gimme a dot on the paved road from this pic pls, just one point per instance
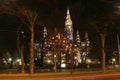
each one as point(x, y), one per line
point(70, 78)
point(63, 76)
point(102, 76)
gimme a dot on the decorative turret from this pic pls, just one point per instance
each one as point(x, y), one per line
point(78, 37)
point(86, 36)
point(68, 26)
point(45, 32)
point(87, 40)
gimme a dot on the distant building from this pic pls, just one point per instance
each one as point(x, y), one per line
point(60, 49)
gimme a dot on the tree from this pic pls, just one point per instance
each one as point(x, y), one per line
point(101, 27)
point(20, 45)
point(103, 36)
point(31, 18)
point(27, 16)
point(105, 21)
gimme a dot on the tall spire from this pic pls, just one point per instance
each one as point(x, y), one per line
point(86, 36)
point(55, 30)
point(87, 39)
point(45, 32)
point(68, 26)
point(68, 18)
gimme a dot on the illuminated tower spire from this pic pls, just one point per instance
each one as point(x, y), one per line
point(87, 42)
point(78, 38)
point(68, 18)
point(45, 32)
point(86, 36)
point(68, 26)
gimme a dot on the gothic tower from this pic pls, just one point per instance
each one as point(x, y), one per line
point(69, 26)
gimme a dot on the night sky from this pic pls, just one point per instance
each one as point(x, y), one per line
point(52, 13)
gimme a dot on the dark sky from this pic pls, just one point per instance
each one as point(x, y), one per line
point(52, 13)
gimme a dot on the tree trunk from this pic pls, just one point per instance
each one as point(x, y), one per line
point(22, 61)
point(20, 50)
point(55, 63)
point(103, 51)
point(32, 50)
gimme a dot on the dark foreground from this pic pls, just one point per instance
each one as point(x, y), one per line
point(85, 75)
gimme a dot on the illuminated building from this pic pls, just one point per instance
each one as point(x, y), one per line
point(61, 50)
point(69, 26)
point(37, 51)
point(78, 49)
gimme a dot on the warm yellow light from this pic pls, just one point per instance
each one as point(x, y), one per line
point(75, 57)
point(113, 59)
